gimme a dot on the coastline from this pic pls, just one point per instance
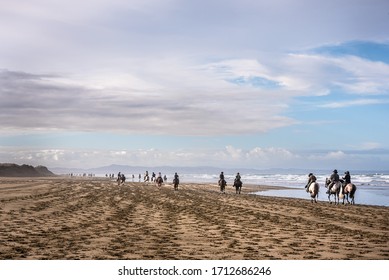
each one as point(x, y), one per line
point(91, 218)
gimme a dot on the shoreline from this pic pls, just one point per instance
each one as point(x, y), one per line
point(249, 188)
point(57, 218)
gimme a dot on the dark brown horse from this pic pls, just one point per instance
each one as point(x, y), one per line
point(159, 181)
point(222, 184)
point(176, 181)
point(238, 186)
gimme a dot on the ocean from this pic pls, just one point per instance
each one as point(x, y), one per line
point(372, 189)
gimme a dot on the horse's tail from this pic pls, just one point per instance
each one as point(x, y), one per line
point(353, 190)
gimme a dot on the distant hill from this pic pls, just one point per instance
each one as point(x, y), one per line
point(14, 170)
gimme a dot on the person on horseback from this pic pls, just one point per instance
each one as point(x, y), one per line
point(221, 178)
point(311, 179)
point(346, 178)
point(176, 181)
point(237, 177)
point(334, 179)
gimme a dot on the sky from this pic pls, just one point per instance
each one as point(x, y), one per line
point(245, 84)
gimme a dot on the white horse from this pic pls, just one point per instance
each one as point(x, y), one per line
point(146, 178)
point(313, 190)
point(334, 190)
point(348, 190)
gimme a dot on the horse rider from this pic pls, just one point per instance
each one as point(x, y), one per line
point(311, 179)
point(175, 176)
point(346, 178)
point(221, 178)
point(153, 177)
point(334, 179)
point(237, 177)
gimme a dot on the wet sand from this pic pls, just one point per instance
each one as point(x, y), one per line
point(90, 219)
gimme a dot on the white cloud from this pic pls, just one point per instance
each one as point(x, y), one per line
point(350, 103)
point(230, 156)
point(335, 155)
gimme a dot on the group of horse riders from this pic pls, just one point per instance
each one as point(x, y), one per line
point(221, 178)
point(334, 178)
point(159, 180)
point(237, 183)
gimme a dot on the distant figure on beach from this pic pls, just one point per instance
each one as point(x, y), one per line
point(165, 178)
point(146, 178)
point(121, 179)
point(153, 177)
point(221, 177)
point(334, 179)
point(346, 178)
point(311, 179)
point(348, 189)
point(334, 187)
point(140, 176)
point(238, 183)
point(176, 181)
point(237, 177)
point(222, 183)
point(133, 176)
point(159, 180)
point(312, 187)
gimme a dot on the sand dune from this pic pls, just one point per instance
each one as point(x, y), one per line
point(63, 218)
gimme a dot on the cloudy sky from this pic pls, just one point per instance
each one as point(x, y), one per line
point(248, 83)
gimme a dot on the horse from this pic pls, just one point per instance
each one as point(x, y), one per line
point(238, 186)
point(348, 191)
point(335, 190)
point(222, 184)
point(121, 179)
point(146, 178)
point(159, 181)
point(313, 190)
point(176, 181)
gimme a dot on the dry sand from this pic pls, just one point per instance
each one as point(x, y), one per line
point(63, 218)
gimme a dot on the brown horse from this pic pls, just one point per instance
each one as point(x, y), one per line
point(176, 181)
point(238, 186)
point(313, 190)
point(159, 181)
point(348, 191)
point(222, 184)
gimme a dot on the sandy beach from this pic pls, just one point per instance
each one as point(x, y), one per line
point(90, 219)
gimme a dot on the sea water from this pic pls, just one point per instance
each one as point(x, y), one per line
point(372, 188)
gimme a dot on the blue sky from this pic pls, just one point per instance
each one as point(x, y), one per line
point(258, 84)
